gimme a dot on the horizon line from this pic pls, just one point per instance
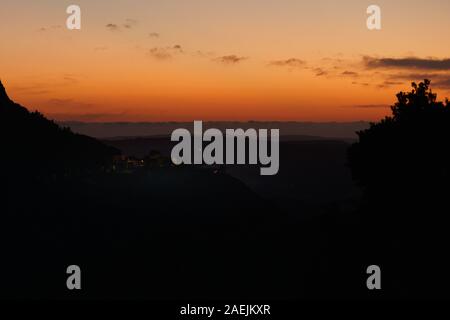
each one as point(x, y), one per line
point(212, 121)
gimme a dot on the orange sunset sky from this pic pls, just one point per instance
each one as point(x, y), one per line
point(180, 60)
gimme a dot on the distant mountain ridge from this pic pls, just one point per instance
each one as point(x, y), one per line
point(32, 144)
point(334, 130)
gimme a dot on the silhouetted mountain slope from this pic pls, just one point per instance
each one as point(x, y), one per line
point(32, 144)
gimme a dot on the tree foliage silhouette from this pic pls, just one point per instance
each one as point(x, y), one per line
point(403, 163)
point(406, 154)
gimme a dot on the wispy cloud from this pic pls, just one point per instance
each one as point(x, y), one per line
point(68, 103)
point(41, 88)
point(387, 84)
point(407, 63)
point(160, 53)
point(367, 106)
point(442, 82)
point(36, 89)
point(364, 84)
point(128, 24)
point(350, 73)
point(154, 35)
point(413, 76)
point(50, 28)
point(292, 63)
point(320, 72)
point(371, 106)
point(85, 117)
point(59, 102)
point(438, 79)
point(177, 48)
point(71, 78)
point(112, 27)
point(230, 59)
point(165, 53)
point(386, 72)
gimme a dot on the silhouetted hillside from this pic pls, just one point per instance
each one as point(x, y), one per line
point(32, 144)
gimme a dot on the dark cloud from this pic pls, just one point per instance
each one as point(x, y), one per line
point(364, 84)
point(388, 83)
point(407, 63)
point(350, 73)
point(292, 62)
point(438, 80)
point(319, 72)
point(442, 82)
point(230, 59)
point(112, 27)
point(413, 76)
point(154, 35)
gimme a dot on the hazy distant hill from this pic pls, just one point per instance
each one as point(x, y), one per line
point(31, 143)
point(336, 130)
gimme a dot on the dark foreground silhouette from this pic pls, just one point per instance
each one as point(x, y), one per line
point(38, 147)
point(403, 165)
point(164, 232)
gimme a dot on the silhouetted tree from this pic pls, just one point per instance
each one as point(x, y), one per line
point(406, 154)
point(403, 163)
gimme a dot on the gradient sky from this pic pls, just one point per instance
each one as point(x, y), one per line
point(180, 60)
